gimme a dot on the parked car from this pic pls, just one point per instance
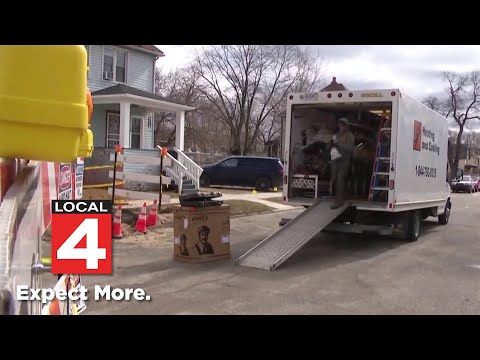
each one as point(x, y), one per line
point(464, 184)
point(263, 173)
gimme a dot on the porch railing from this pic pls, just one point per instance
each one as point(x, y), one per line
point(176, 170)
point(193, 171)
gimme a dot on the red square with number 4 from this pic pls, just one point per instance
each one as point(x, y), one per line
point(81, 237)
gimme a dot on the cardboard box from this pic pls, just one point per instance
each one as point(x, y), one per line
point(201, 234)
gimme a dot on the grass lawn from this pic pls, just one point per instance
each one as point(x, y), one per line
point(237, 207)
point(244, 207)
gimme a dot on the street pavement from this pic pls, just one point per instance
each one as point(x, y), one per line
point(333, 274)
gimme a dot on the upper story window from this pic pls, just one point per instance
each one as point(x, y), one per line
point(114, 64)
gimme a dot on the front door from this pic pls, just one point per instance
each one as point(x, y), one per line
point(113, 129)
point(136, 123)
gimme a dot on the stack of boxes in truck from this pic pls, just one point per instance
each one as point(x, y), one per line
point(311, 158)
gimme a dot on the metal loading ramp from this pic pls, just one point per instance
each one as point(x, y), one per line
point(281, 245)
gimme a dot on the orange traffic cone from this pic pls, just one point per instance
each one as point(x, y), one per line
point(152, 215)
point(141, 225)
point(117, 224)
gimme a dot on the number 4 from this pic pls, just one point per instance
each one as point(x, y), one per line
point(91, 253)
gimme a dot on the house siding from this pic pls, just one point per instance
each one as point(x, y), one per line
point(140, 75)
point(139, 70)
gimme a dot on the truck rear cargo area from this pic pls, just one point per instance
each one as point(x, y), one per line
point(312, 129)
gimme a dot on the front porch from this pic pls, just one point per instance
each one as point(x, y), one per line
point(125, 115)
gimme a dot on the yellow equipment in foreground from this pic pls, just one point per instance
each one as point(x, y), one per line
point(45, 106)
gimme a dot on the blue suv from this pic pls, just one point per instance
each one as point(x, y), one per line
point(263, 173)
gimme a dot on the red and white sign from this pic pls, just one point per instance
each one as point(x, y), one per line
point(79, 168)
point(65, 188)
point(59, 183)
point(81, 237)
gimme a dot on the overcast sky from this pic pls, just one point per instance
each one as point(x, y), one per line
point(415, 69)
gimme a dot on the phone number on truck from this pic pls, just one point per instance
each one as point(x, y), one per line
point(426, 171)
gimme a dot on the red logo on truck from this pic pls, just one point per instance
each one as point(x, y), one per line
point(65, 177)
point(417, 136)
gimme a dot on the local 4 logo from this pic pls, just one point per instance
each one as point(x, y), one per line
point(81, 237)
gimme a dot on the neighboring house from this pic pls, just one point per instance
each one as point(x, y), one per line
point(469, 159)
point(334, 86)
point(122, 81)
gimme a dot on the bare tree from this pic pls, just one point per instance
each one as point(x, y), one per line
point(246, 83)
point(178, 86)
point(461, 104)
point(439, 105)
point(203, 130)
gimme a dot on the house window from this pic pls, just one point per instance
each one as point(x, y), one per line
point(135, 132)
point(114, 65)
point(113, 129)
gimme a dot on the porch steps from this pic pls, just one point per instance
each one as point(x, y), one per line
point(188, 187)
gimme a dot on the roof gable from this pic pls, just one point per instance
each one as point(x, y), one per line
point(334, 86)
point(122, 89)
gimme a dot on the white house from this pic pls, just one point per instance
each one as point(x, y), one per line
point(121, 79)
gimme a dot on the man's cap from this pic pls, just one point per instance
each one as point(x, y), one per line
point(344, 120)
point(204, 228)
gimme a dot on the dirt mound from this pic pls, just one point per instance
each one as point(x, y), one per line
point(159, 235)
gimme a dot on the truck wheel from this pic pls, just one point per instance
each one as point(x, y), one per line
point(443, 219)
point(413, 226)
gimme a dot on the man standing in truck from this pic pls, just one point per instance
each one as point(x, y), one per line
point(344, 142)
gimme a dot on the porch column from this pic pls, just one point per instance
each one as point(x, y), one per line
point(125, 124)
point(180, 129)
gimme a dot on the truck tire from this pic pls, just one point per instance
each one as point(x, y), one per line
point(443, 219)
point(413, 225)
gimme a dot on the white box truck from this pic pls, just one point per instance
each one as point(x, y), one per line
point(396, 179)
